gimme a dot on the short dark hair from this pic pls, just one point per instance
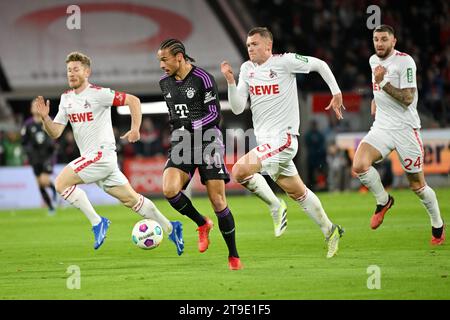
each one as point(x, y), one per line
point(175, 46)
point(384, 28)
point(262, 31)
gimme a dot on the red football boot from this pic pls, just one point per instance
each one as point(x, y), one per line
point(203, 235)
point(234, 263)
point(378, 216)
point(438, 241)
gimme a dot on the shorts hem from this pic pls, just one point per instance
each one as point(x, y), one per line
point(377, 148)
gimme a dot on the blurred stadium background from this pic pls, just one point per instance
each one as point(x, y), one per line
point(122, 38)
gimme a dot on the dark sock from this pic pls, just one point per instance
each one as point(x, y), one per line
point(46, 197)
point(52, 186)
point(437, 232)
point(227, 228)
point(183, 205)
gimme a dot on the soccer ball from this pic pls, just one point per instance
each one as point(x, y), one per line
point(147, 234)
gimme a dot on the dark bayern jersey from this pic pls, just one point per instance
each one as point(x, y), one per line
point(36, 143)
point(193, 102)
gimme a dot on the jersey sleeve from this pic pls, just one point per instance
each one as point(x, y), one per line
point(242, 86)
point(408, 73)
point(109, 97)
point(211, 94)
point(296, 63)
point(238, 95)
point(210, 100)
point(61, 116)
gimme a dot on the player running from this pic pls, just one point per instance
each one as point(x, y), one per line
point(87, 108)
point(270, 81)
point(40, 152)
point(396, 127)
point(191, 96)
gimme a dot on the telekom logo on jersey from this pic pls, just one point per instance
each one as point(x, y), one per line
point(265, 89)
point(81, 117)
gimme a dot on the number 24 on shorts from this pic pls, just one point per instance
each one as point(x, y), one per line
point(409, 162)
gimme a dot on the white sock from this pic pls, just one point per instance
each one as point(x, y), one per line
point(371, 179)
point(148, 210)
point(258, 185)
point(78, 198)
point(312, 206)
point(428, 198)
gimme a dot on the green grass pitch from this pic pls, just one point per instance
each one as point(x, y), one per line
point(36, 252)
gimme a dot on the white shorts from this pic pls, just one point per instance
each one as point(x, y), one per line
point(407, 143)
point(99, 167)
point(276, 155)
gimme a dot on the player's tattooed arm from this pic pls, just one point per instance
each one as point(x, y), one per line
point(404, 96)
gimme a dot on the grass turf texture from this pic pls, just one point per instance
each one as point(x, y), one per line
point(37, 250)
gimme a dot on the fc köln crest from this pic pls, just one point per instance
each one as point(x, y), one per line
point(87, 104)
point(272, 74)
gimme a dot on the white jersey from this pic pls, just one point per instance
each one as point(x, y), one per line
point(89, 114)
point(272, 87)
point(401, 73)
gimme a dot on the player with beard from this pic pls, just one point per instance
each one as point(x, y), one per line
point(88, 109)
point(396, 127)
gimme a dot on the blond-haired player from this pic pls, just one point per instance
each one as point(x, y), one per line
point(270, 81)
point(88, 109)
point(396, 127)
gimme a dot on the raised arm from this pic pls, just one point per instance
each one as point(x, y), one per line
point(405, 96)
point(53, 129)
point(236, 100)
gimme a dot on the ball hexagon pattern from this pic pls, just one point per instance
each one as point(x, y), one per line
point(147, 234)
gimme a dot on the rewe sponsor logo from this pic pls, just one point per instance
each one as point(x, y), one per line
point(81, 117)
point(265, 89)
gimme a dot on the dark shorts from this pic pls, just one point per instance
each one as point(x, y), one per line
point(208, 170)
point(45, 166)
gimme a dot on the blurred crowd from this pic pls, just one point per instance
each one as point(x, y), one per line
point(334, 31)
